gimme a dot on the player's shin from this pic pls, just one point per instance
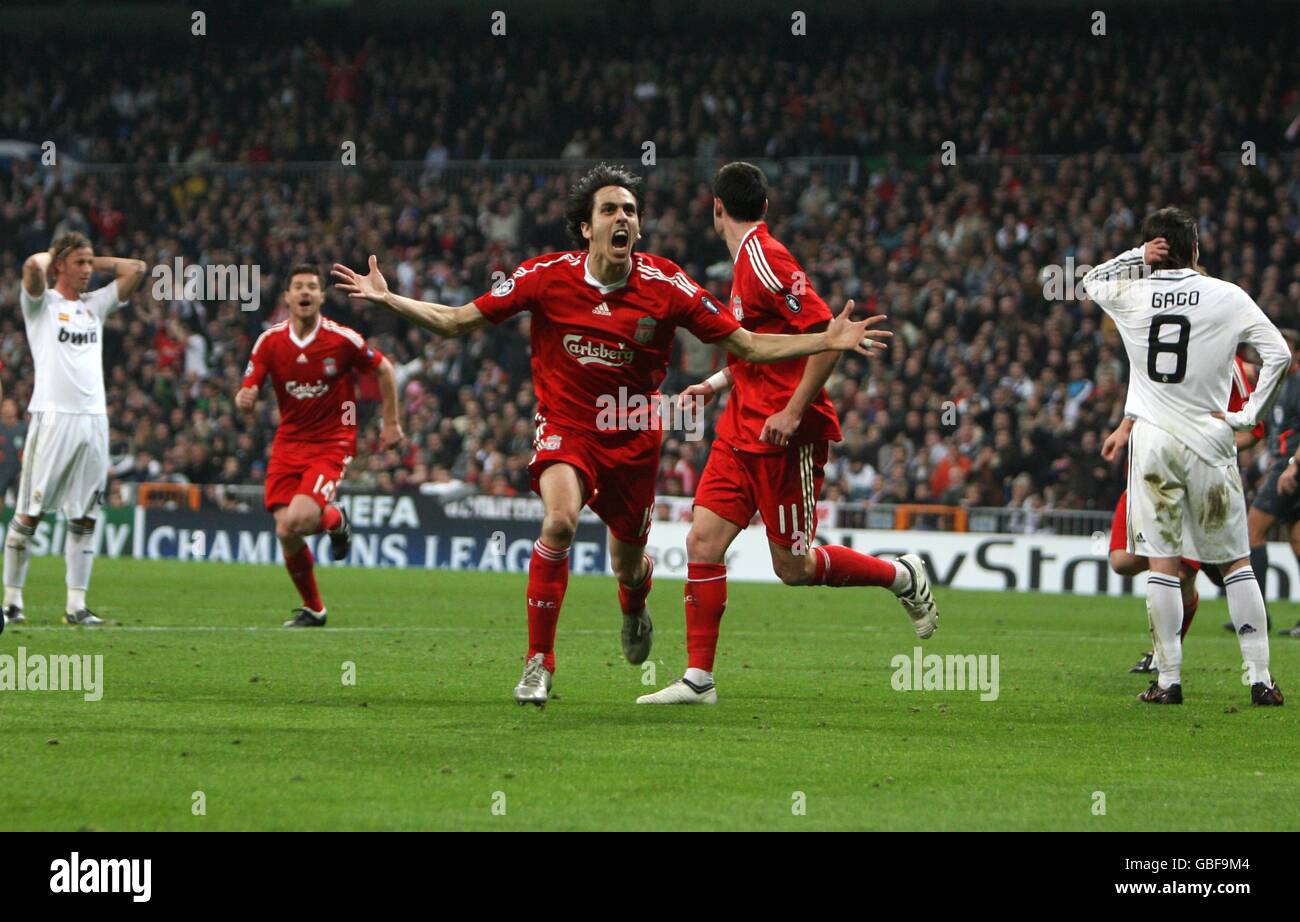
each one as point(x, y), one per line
point(302, 570)
point(1259, 566)
point(17, 556)
point(79, 556)
point(1246, 608)
point(632, 598)
point(1165, 609)
point(548, 578)
point(706, 600)
point(841, 566)
point(330, 518)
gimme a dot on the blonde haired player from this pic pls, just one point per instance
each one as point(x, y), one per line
point(65, 457)
point(1181, 330)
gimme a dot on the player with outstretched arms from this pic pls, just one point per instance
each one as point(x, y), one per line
point(65, 456)
point(603, 321)
point(310, 360)
point(1181, 330)
point(771, 447)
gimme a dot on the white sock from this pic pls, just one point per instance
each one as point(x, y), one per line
point(79, 555)
point(1165, 611)
point(699, 677)
point(902, 579)
point(17, 557)
point(1246, 608)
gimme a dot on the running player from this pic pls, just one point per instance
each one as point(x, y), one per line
point(603, 321)
point(771, 447)
point(310, 359)
point(65, 456)
point(1125, 563)
point(1181, 330)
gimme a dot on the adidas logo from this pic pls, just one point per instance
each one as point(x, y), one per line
point(1245, 629)
point(1138, 537)
point(602, 310)
point(302, 358)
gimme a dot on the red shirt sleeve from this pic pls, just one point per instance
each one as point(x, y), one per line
point(367, 358)
point(793, 296)
point(258, 363)
point(703, 316)
point(514, 294)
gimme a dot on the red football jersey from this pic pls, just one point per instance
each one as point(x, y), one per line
point(312, 379)
point(764, 300)
point(591, 340)
point(1241, 391)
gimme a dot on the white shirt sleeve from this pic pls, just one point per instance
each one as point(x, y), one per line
point(1107, 283)
point(32, 305)
point(1273, 352)
point(104, 301)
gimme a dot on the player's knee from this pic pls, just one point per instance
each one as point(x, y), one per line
point(19, 533)
point(291, 525)
point(628, 572)
point(792, 572)
point(702, 549)
point(559, 527)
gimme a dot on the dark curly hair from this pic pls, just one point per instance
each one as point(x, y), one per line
point(582, 197)
point(1179, 230)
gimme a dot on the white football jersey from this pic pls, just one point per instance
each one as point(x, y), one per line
point(67, 343)
point(1181, 330)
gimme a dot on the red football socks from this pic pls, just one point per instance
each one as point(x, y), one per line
point(841, 566)
point(706, 600)
point(330, 518)
point(632, 598)
point(548, 577)
point(303, 574)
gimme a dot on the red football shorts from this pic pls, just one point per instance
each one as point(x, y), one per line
point(1119, 530)
point(314, 470)
point(618, 471)
point(782, 486)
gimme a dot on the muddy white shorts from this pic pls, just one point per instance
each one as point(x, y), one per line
point(1180, 505)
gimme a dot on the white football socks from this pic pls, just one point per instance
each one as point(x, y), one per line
point(698, 677)
point(1165, 611)
point(17, 556)
point(902, 579)
point(1246, 608)
point(79, 555)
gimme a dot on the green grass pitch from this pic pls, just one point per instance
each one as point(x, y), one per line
point(203, 691)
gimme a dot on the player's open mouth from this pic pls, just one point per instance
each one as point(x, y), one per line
point(620, 240)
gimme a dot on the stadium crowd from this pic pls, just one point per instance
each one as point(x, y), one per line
point(992, 393)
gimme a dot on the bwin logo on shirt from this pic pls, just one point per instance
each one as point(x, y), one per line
point(78, 339)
